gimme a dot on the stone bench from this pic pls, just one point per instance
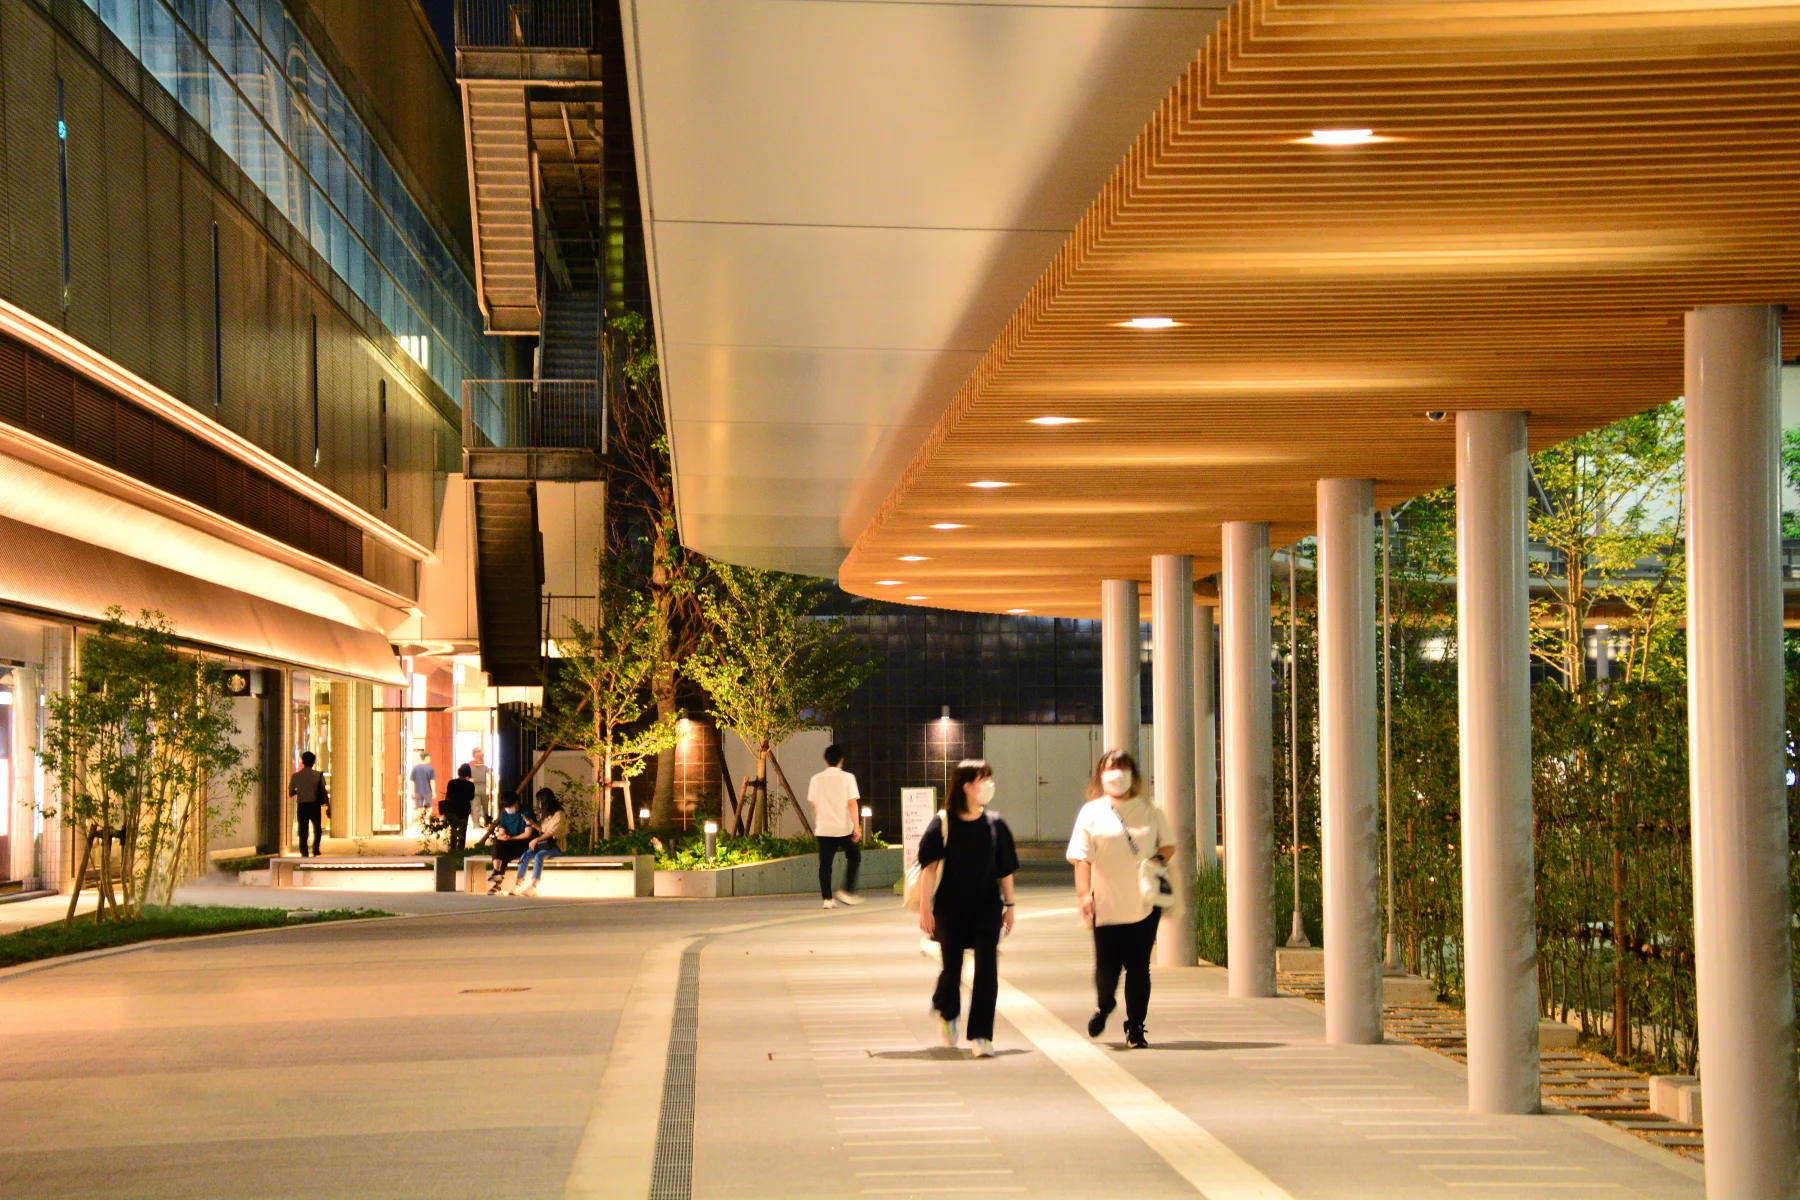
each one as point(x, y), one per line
point(365, 873)
point(575, 876)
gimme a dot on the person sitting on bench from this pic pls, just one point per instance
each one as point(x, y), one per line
point(513, 832)
point(547, 844)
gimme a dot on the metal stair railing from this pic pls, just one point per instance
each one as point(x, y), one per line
point(525, 24)
point(534, 414)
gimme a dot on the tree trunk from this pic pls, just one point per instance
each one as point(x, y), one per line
point(87, 849)
point(1621, 944)
point(662, 680)
point(603, 797)
point(759, 819)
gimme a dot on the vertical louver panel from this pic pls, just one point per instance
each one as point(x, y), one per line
point(30, 192)
point(12, 383)
point(49, 400)
point(169, 459)
point(128, 233)
point(233, 481)
point(137, 442)
point(196, 280)
point(93, 424)
point(90, 273)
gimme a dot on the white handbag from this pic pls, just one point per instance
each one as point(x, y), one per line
point(1153, 875)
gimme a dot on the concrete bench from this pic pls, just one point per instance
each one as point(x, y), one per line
point(365, 873)
point(576, 876)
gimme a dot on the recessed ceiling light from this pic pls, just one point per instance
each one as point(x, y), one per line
point(887, 583)
point(1341, 137)
point(1018, 611)
point(918, 597)
point(1055, 421)
point(912, 558)
point(948, 525)
point(1149, 323)
point(989, 484)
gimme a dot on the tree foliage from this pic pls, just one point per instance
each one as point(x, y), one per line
point(598, 699)
point(141, 746)
point(771, 667)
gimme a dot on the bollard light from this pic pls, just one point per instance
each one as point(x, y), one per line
point(712, 841)
point(643, 814)
point(867, 812)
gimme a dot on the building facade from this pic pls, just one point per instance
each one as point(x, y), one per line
point(236, 314)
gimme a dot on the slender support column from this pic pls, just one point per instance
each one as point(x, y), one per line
point(1206, 749)
point(1494, 678)
point(1347, 774)
point(1172, 681)
point(1246, 698)
point(1120, 646)
point(1735, 738)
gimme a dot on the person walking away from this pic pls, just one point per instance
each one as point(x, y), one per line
point(311, 801)
point(967, 855)
point(513, 832)
point(424, 785)
point(837, 823)
point(551, 822)
point(1117, 831)
point(458, 802)
point(483, 779)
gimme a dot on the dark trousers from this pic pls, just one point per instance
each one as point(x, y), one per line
point(828, 848)
point(311, 815)
point(1127, 947)
point(947, 999)
point(505, 854)
point(459, 827)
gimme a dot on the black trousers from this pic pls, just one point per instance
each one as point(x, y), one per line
point(507, 852)
point(955, 940)
point(1127, 947)
point(828, 848)
point(459, 827)
point(313, 815)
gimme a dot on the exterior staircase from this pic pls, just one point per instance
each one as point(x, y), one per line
point(499, 149)
point(509, 576)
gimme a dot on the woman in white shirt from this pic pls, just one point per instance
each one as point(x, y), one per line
point(1115, 832)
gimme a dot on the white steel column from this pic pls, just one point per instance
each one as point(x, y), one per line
point(1347, 774)
point(1172, 683)
point(1493, 684)
point(1735, 739)
point(1121, 644)
point(1206, 750)
point(1246, 696)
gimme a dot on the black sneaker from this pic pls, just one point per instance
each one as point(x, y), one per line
point(1134, 1037)
point(1097, 1024)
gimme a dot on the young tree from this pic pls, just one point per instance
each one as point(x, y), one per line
point(771, 667)
point(1609, 502)
point(142, 745)
point(596, 702)
point(640, 451)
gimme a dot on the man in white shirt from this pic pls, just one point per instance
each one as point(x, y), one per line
point(837, 823)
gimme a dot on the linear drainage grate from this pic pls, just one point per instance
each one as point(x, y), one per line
point(672, 1173)
point(485, 991)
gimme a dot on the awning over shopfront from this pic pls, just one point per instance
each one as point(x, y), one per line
point(52, 574)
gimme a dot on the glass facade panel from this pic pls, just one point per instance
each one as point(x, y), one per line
point(242, 69)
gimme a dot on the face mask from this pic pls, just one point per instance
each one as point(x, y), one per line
point(984, 792)
point(1115, 781)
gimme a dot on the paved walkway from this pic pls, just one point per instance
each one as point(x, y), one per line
point(522, 1048)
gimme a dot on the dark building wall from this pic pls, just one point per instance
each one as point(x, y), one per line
point(146, 188)
point(989, 670)
point(407, 92)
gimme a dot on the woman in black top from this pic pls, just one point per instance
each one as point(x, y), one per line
point(966, 866)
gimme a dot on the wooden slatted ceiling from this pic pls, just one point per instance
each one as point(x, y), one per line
point(1560, 182)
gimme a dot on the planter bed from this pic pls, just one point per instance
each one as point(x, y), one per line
point(778, 877)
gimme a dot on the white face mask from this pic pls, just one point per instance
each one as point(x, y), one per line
point(1116, 781)
point(983, 791)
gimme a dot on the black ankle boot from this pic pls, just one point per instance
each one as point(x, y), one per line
point(1134, 1037)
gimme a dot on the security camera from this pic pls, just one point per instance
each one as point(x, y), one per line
point(1434, 416)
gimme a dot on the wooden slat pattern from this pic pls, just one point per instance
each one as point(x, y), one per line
point(1561, 180)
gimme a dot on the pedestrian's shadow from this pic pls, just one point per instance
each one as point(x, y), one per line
point(935, 1054)
point(1120, 1046)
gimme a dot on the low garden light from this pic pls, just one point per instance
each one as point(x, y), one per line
point(712, 841)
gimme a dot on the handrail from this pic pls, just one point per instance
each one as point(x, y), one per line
point(526, 414)
point(525, 24)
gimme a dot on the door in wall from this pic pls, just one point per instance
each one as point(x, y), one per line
point(1011, 750)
